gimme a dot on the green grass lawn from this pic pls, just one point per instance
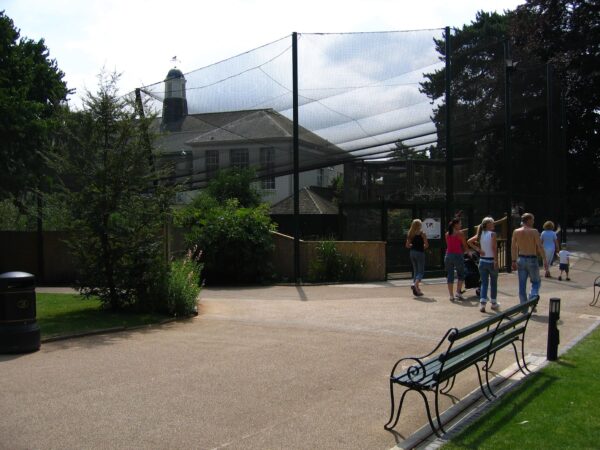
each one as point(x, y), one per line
point(556, 408)
point(61, 314)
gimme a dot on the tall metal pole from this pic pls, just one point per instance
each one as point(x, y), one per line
point(296, 159)
point(41, 275)
point(449, 151)
point(140, 107)
point(551, 161)
point(564, 171)
point(508, 65)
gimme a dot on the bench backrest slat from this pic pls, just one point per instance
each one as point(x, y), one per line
point(486, 323)
point(513, 320)
point(468, 345)
point(505, 338)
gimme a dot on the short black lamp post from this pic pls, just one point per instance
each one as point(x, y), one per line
point(553, 333)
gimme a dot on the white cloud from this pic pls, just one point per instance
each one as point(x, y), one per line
point(139, 37)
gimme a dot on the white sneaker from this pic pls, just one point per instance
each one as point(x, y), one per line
point(482, 307)
point(459, 296)
point(495, 306)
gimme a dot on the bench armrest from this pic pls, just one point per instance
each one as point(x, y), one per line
point(419, 359)
point(416, 372)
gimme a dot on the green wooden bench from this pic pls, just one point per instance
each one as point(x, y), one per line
point(475, 345)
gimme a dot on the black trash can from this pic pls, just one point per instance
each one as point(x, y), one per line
point(19, 331)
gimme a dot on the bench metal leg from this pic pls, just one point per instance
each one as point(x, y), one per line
point(390, 425)
point(489, 364)
point(437, 413)
point(387, 425)
point(596, 296)
point(481, 383)
point(450, 382)
point(486, 369)
point(521, 359)
point(523, 354)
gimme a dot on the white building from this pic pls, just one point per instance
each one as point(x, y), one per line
point(198, 145)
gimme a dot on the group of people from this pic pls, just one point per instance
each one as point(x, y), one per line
point(526, 246)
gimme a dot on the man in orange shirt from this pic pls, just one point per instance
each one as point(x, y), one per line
point(526, 246)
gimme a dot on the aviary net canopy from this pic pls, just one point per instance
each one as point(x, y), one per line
point(359, 94)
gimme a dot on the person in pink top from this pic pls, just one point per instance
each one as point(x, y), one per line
point(456, 246)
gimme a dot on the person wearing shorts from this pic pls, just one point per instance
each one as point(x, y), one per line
point(563, 265)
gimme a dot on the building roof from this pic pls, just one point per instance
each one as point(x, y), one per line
point(313, 200)
point(232, 127)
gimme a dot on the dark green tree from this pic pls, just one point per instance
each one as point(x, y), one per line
point(403, 152)
point(477, 74)
point(31, 92)
point(232, 240)
point(234, 183)
point(234, 244)
point(566, 34)
point(118, 207)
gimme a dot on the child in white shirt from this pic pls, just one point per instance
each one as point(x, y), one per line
point(563, 256)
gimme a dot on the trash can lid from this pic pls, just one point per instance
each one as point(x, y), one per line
point(9, 280)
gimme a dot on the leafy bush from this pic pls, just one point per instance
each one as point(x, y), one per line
point(234, 183)
point(232, 229)
point(236, 242)
point(22, 214)
point(331, 265)
point(353, 268)
point(183, 287)
point(326, 266)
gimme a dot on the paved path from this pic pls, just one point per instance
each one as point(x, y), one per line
point(259, 368)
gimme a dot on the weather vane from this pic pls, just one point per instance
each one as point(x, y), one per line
point(175, 60)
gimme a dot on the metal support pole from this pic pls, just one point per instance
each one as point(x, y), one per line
point(551, 168)
point(508, 67)
point(564, 171)
point(553, 333)
point(296, 159)
point(140, 109)
point(449, 152)
point(41, 276)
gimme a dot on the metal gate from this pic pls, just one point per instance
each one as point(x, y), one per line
point(390, 222)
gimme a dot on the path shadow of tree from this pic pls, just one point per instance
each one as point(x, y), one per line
point(95, 328)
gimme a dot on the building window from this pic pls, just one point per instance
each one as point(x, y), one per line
point(212, 163)
point(267, 166)
point(239, 158)
point(320, 177)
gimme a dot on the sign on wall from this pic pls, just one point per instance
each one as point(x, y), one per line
point(432, 226)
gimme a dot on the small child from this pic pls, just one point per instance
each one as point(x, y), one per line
point(563, 266)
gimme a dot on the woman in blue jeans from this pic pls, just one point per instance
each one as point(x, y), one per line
point(456, 246)
point(416, 241)
point(484, 242)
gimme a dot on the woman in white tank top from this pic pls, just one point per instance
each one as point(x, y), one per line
point(485, 243)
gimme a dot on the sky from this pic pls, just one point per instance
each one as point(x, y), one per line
point(139, 38)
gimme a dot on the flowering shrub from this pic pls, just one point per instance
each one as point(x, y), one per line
point(183, 286)
point(331, 265)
